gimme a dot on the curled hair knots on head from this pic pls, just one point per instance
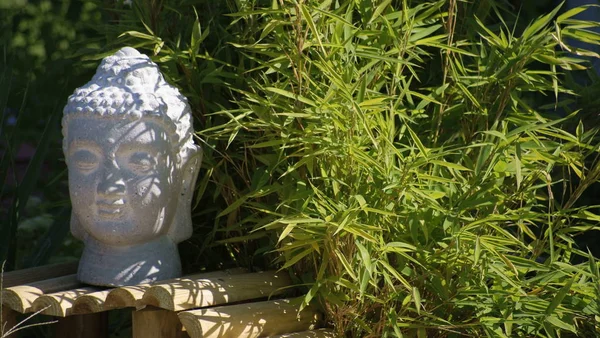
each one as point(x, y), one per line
point(128, 85)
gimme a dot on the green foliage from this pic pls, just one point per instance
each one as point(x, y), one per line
point(408, 159)
point(418, 164)
point(38, 41)
point(193, 46)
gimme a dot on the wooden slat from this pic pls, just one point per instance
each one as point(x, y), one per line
point(20, 298)
point(123, 297)
point(79, 326)
point(26, 276)
point(189, 293)
point(320, 333)
point(131, 296)
point(260, 319)
point(60, 303)
point(153, 322)
point(91, 302)
point(8, 320)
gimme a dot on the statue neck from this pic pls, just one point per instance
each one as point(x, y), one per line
point(110, 265)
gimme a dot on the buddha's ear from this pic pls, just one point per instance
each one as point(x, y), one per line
point(181, 229)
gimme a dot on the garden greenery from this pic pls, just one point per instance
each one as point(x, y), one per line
point(418, 164)
point(38, 70)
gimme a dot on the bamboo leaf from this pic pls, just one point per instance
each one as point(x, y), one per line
point(311, 24)
point(291, 96)
point(537, 25)
point(417, 299)
point(559, 297)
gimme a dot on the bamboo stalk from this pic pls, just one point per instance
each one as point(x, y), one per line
point(250, 320)
point(188, 293)
point(21, 298)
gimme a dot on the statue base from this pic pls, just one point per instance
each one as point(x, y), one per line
point(107, 265)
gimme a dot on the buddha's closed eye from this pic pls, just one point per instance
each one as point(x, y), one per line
point(85, 161)
point(141, 163)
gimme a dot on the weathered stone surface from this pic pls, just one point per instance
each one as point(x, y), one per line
point(132, 168)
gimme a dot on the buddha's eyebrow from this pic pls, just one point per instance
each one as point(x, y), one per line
point(85, 144)
point(135, 146)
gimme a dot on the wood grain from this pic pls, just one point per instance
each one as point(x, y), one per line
point(8, 320)
point(59, 304)
point(90, 302)
point(26, 276)
point(152, 322)
point(20, 298)
point(123, 297)
point(80, 326)
point(260, 319)
point(320, 333)
point(131, 296)
point(192, 292)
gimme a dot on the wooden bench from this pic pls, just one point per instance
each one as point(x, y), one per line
point(230, 303)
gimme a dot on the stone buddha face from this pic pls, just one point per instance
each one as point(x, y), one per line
point(132, 168)
point(123, 185)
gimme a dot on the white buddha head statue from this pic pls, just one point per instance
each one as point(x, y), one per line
point(132, 167)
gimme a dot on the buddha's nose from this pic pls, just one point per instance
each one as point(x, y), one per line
point(111, 183)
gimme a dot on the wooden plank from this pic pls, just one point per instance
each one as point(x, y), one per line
point(123, 297)
point(260, 319)
point(153, 322)
point(20, 298)
point(25, 276)
point(88, 326)
point(131, 296)
point(320, 333)
point(59, 304)
point(8, 320)
point(91, 302)
point(189, 293)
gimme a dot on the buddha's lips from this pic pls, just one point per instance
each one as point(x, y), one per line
point(110, 208)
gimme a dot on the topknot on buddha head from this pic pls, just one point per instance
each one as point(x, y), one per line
point(128, 85)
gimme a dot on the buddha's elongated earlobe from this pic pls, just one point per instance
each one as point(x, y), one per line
point(181, 229)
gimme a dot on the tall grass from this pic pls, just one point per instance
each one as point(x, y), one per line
point(418, 164)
